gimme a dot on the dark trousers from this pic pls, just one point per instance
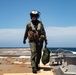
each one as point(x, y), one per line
point(36, 49)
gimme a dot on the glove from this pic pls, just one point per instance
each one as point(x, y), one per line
point(24, 41)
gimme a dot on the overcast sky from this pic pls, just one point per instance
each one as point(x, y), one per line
point(58, 17)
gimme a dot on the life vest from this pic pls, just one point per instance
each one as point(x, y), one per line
point(35, 34)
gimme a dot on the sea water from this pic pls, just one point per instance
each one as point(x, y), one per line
point(50, 48)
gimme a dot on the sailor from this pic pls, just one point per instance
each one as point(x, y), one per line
point(36, 35)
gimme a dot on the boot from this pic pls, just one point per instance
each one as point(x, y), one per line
point(34, 70)
point(37, 67)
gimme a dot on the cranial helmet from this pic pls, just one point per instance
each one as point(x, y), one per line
point(34, 13)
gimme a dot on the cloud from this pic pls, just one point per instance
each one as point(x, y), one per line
point(61, 31)
point(11, 37)
point(61, 36)
point(57, 37)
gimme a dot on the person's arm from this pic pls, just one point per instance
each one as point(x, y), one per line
point(25, 35)
point(44, 32)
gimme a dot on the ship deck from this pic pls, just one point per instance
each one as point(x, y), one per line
point(17, 62)
point(11, 66)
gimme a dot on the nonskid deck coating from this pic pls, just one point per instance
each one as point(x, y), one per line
point(17, 62)
point(21, 67)
point(45, 70)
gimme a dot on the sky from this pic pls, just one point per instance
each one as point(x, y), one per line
point(58, 17)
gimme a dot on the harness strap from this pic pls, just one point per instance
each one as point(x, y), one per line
point(38, 26)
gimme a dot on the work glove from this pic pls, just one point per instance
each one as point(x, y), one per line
point(24, 41)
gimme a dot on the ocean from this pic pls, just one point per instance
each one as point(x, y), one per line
point(63, 48)
point(50, 48)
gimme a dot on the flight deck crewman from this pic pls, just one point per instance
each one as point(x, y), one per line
point(36, 34)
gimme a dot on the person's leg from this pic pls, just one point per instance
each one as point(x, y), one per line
point(33, 56)
point(39, 52)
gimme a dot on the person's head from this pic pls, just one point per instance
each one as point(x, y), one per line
point(34, 14)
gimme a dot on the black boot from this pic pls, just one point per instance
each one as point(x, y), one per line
point(37, 67)
point(34, 70)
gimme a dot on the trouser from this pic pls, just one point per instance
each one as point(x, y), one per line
point(36, 49)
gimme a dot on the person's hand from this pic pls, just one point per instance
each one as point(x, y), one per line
point(24, 41)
